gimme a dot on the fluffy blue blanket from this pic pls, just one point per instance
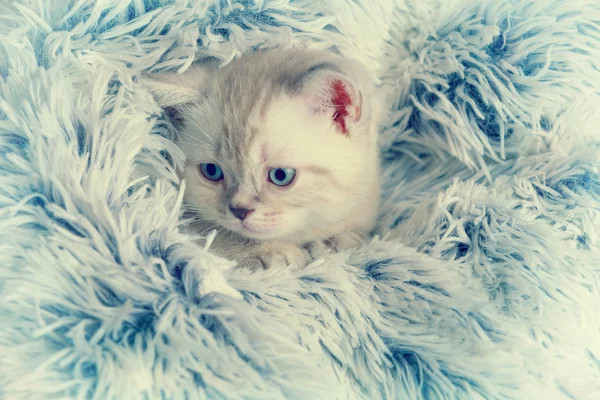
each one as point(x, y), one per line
point(484, 281)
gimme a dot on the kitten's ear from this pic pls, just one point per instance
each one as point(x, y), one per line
point(173, 91)
point(327, 91)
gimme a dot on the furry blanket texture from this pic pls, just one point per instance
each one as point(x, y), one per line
point(483, 281)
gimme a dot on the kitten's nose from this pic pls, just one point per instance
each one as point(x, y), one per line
point(240, 213)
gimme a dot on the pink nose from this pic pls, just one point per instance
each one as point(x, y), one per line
point(240, 213)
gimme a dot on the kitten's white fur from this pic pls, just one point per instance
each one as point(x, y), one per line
point(274, 109)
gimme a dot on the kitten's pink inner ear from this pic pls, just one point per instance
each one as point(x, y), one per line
point(347, 105)
point(340, 101)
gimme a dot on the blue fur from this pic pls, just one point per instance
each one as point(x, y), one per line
point(482, 283)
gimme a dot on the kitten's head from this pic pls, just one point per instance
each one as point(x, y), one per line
point(278, 146)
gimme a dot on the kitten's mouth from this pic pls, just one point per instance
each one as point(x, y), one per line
point(252, 231)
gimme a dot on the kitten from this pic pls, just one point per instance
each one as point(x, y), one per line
point(281, 151)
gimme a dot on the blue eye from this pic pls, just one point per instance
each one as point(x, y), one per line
point(282, 176)
point(211, 171)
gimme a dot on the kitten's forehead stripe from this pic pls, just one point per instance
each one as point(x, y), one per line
point(253, 131)
point(263, 154)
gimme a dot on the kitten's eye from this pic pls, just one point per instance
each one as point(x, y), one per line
point(282, 176)
point(211, 171)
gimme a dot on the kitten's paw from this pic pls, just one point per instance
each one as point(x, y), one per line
point(334, 244)
point(271, 255)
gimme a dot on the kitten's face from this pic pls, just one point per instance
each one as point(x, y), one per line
point(286, 176)
point(278, 145)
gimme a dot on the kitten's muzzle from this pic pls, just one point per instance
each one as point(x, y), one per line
point(240, 213)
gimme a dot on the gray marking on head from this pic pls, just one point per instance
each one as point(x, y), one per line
point(294, 83)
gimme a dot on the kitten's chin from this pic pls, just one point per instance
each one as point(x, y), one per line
point(254, 232)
